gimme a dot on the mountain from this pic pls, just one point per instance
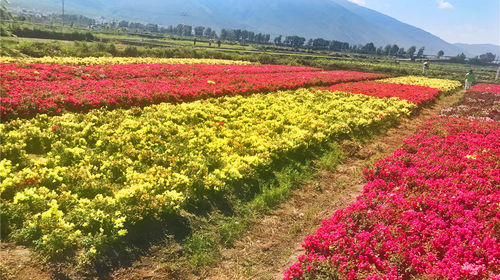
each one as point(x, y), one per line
point(330, 19)
point(479, 49)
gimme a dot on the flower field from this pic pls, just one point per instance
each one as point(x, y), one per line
point(491, 88)
point(445, 86)
point(28, 90)
point(476, 105)
point(412, 93)
point(77, 179)
point(82, 181)
point(118, 60)
point(429, 211)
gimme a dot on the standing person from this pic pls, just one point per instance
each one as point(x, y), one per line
point(210, 43)
point(194, 42)
point(425, 70)
point(469, 79)
point(218, 43)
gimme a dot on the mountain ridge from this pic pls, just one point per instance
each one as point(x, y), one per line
point(329, 19)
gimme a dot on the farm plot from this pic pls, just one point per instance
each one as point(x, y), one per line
point(428, 211)
point(28, 90)
point(80, 183)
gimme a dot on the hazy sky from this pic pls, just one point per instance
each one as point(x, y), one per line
point(455, 21)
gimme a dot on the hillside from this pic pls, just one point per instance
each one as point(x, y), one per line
point(330, 19)
point(478, 49)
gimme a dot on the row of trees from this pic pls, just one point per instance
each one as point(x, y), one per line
point(180, 29)
point(391, 50)
point(481, 59)
point(240, 35)
point(244, 36)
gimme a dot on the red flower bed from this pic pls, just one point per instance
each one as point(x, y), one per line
point(26, 91)
point(53, 72)
point(491, 88)
point(412, 93)
point(429, 211)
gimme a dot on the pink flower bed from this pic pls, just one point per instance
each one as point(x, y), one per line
point(412, 93)
point(429, 211)
point(491, 88)
point(27, 91)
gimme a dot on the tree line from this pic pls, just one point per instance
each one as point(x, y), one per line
point(235, 35)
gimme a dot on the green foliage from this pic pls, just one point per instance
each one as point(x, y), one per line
point(331, 158)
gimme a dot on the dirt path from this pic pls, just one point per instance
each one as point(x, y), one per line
point(273, 243)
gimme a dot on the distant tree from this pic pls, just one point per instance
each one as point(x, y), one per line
point(208, 32)
point(123, 23)
point(223, 34)
point(5, 14)
point(237, 35)
point(380, 50)
point(440, 53)
point(394, 49)
point(369, 48)
point(309, 43)
point(267, 37)
point(187, 30)
point(179, 29)
point(487, 57)
point(320, 43)
point(277, 40)
point(338, 45)
point(411, 51)
point(421, 52)
point(387, 49)
point(251, 36)
point(152, 27)
point(244, 35)
point(199, 31)
point(459, 58)
point(294, 41)
point(401, 52)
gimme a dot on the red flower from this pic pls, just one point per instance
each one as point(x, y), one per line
point(80, 88)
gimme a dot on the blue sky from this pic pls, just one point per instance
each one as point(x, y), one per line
point(455, 21)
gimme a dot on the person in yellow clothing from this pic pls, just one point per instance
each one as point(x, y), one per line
point(469, 79)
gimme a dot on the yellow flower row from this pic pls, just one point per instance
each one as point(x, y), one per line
point(80, 181)
point(119, 60)
point(445, 86)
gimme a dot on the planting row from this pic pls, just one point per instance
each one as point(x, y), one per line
point(118, 60)
point(445, 86)
point(82, 182)
point(14, 73)
point(416, 94)
point(26, 98)
point(418, 91)
point(430, 211)
point(491, 88)
point(476, 105)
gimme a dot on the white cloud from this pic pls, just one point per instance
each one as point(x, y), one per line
point(444, 5)
point(359, 2)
